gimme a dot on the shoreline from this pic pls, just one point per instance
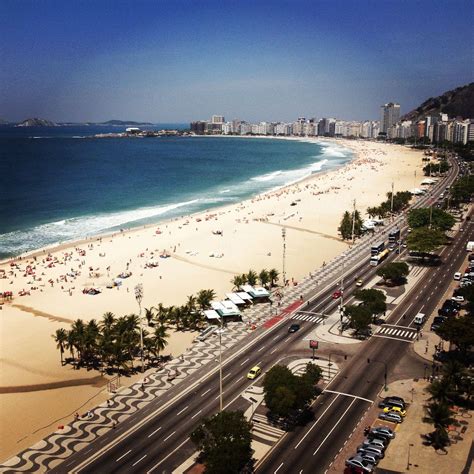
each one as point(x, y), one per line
point(56, 247)
point(200, 259)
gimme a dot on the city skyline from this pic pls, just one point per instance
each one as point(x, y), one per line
point(180, 61)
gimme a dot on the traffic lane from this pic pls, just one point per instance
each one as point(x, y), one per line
point(234, 383)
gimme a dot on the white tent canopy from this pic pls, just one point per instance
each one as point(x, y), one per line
point(211, 314)
point(225, 308)
point(235, 298)
point(256, 292)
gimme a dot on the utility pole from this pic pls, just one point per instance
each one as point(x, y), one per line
point(139, 297)
point(220, 363)
point(283, 234)
point(391, 202)
point(353, 222)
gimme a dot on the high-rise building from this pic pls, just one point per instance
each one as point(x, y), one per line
point(390, 115)
point(217, 119)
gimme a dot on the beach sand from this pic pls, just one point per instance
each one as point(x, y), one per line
point(37, 394)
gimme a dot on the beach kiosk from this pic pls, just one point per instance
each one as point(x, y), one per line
point(236, 299)
point(227, 310)
point(258, 293)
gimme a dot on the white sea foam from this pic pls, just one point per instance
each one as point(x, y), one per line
point(267, 177)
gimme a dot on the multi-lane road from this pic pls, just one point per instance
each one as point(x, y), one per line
point(156, 438)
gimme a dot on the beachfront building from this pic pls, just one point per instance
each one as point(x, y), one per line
point(199, 127)
point(283, 129)
point(389, 116)
point(245, 128)
point(327, 127)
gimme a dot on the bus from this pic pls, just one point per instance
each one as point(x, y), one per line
point(394, 236)
point(377, 248)
point(376, 259)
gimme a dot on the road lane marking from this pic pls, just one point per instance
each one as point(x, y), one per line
point(184, 409)
point(228, 375)
point(316, 422)
point(123, 455)
point(349, 395)
point(278, 468)
point(273, 350)
point(141, 459)
point(392, 338)
point(207, 391)
point(170, 454)
point(156, 431)
point(334, 427)
point(244, 362)
point(194, 416)
point(261, 349)
point(169, 436)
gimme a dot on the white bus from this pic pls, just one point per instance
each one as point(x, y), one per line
point(376, 259)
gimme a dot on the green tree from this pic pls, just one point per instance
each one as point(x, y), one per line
point(60, 337)
point(252, 278)
point(204, 299)
point(159, 340)
point(440, 219)
point(440, 416)
point(359, 317)
point(435, 168)
point(345, 228)
point(425, 240)
point(373, 300)
point(273, 275)
point(224, 441)
point(459, 331)
point(395, 272)
point(238, 281)
point(264, 277)
point(440, 391)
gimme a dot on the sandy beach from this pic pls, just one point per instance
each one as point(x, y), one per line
point(37, 394)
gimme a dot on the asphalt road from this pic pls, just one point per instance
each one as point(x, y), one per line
point(155, 439)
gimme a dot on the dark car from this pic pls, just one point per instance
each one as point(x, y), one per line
point(437, 322)
point(294, 328)
point(392, 401)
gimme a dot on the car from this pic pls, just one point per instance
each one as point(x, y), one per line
point(437, 322)
point(392, 247)
point(458, 299)
point(457, 275)
point(371, 449)
point(294, 328)
point(392, 401)
point(398, 410)
point(369, 457)
point(379, 442)
point(254, 372)
point(359, 282)
point(393, 417)
point(383, 431)
point(357, 461)
point(337, 294)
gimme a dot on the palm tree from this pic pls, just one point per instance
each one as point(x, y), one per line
point(91, 336)
point(159, 340)
point(273, 275)
point(162, 315)
point(150, 314)
point(440, 416)
point(238, 281)
point(60, 337)
point(191, 304)
point(252, 278)
point(78, 330)
point(264, 277)
point(440, 391)
point(453, 373)
point(204, 298)
point(108, 320)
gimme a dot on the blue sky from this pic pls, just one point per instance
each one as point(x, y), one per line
point(176, 61)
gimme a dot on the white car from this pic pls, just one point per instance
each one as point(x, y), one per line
point(457, 275)
point(459, 299)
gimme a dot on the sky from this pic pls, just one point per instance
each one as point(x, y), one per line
point(177, 61)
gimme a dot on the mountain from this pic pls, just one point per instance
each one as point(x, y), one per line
point(458, 102)
point(36, 122)
point(4, 122)
point(123, 123)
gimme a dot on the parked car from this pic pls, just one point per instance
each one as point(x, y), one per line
point(458, 299)
point(457, 276)
point(398, 410)
point(369, 457)
point(294, 328)
point(392, 401)
point(393, 417)
point(376, 450)
point(359, 283)
point(437, 322)
point(380, 443)
point(254, 372)
point(384, 431)
point(357, 461)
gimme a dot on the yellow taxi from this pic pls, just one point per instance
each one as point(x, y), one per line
point(397, 410)
point(254, 372)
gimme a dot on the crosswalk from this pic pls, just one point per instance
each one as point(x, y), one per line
point(264, 431)
point(307, 316)
point(396, 332)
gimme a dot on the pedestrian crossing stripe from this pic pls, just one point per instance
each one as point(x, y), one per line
point(396, 332)
point(306, 317)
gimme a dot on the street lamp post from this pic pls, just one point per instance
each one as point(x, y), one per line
point(385, 372)
point(221, 330)
point(408, 458)
point(139, 297)
point(341, 301)
point(283, 234)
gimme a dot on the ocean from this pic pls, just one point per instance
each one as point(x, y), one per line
point(58, 184)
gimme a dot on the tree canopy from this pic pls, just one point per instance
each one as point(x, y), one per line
point(434, 168)
point(395, 272)
point(373, 300)
point(400, 201)
point(439, 219)
point(359, 317)
point(459, 331)
point(224, 441)
point(285, 391)
point(350, 221)
point(425, 240)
